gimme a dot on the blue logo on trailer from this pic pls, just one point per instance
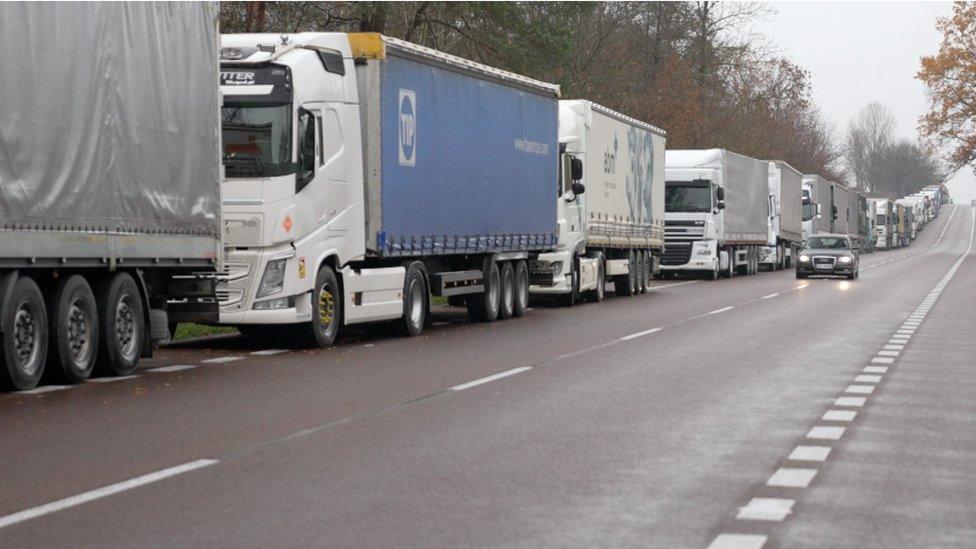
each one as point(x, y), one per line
point(408, 128)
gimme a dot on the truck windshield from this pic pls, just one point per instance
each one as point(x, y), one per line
point(257, 139)
point(808, 209)
point(827, 243)
point(687, 197)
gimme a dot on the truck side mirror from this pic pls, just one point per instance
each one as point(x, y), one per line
point(576, 170)
point(720, 205)
point(834, 211)
point(578, 188)
point(720, 194)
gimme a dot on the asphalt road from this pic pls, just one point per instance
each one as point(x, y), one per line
point(704, 413)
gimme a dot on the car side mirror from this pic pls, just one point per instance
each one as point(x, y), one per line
point(720, 194)
point(576, 170)
point(578, 188)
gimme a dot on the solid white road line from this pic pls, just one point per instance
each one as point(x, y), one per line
point(856, 402)
point(738, 541)
point(823, 432)
point(775, 509)
point(175, 368)
point(860, 389)
point(810, 453)
point(269, 352)
point(489, 379)
point(770, 296)
point(46, 389)
point(98, 493)
point(839, 415)
point(722, 310)
point(640, 334)
point(222, 359)
point(788, 477)
point(946, 228)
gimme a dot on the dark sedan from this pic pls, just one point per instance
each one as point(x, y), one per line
point(828, 255)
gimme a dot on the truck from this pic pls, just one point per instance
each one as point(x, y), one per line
point(914, 206)
point(815, 199)
point(716, 212)
point(857, 218)
point(365, 174)
point(785, 225)
point(615, 231)
point(110, 178)
point(884, 216)
point(900, 227)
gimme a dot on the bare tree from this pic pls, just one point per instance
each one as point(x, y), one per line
point(869, 135)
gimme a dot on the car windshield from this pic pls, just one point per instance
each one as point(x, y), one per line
point(257, 140)
point(687, 197)
point(827, 243)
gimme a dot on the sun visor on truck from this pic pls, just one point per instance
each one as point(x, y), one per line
point(265, 84)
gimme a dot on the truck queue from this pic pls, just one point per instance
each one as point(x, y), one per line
point(364, 177)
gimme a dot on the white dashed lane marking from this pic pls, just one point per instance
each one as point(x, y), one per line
point(770, 296)
point(174, 368)
point(810, 453)
point(738, 541)
point(110, 379)
point(775, 509)
point(722, 310)
point(489, 379)
point(882, 360)
point(867, 379)
point(269, 352)
point(823, 432)
point(875, 370)
point(839, 415)
point(787, 477)
point(222, 359)
point(859, 389)
point(855, 402)
point(640, 334)
point(46, 389)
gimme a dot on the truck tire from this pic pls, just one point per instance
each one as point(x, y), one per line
point(73, 316)
point(483, 307)
point(730, 268)
point(326, 308)
point(23, 344)
point(122, 327)
point(521, 288)
point(597, 294)
point(645, 271)
point(506, 305)
point(411, 324)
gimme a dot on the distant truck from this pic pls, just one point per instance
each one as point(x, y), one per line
point(816, 202)
point(365, 174)
point(915, 206)
point(901, 226)
point(615, 231)
point(785, 226)
point(716, 212)
point(884, 216)
point(111, 182)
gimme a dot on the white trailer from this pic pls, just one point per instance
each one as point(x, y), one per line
point(816, 205)
point(615, 230)
point(716, 212)
point(785, 232)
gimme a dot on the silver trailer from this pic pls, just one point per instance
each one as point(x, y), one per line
point(817, 193)
point(109, 180)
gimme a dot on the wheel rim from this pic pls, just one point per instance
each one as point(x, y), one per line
point(125, 328)
point(78, 329)
point(326, 308)
point(416, 304)
point(27, 344)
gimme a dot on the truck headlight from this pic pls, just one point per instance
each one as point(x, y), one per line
point(804, 258)
point(556, 267)
point(845, 259)
point(273, 280)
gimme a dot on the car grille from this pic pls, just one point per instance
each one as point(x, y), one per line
point(824, 261)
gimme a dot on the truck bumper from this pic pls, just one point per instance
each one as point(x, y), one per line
point(543, 281)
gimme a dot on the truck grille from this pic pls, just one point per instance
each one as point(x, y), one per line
point(683, 231)
point(676, 254)
point(242, 232)
point(234, 283)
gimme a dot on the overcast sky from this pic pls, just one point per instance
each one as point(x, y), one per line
point(859, 52)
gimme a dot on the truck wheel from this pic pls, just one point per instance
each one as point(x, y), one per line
point(597, 294)
point(570, 299)
point(73, 317)
point(623, 285)
point(122, 325)
point(521, 288)
point(326, 308)
point(730, 268)
point(645, 272)
point(483, 307)
point(23, 344)
point(506, 306)
point(414, 301)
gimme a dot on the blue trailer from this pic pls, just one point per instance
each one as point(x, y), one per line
point(467, 156)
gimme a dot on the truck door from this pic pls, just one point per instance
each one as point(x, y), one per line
point(572, 205)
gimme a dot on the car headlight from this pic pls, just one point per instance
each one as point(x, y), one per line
point(804, 258)
point(273, 280)
point(845, 259)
